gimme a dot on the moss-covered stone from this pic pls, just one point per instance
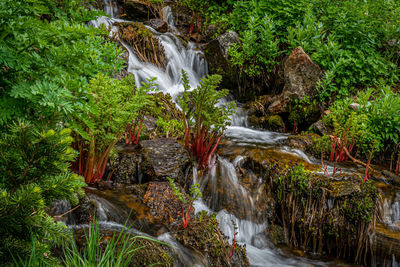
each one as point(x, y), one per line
point(321, 214)
point(203, 235)
point(151, 253)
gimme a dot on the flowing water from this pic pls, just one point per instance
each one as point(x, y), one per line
point(223, 191)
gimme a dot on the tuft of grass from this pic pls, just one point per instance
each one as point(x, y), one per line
point(117, 251)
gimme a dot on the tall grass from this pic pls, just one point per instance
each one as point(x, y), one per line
point(117, 251)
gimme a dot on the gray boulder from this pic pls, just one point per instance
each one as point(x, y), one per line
point(301, 76)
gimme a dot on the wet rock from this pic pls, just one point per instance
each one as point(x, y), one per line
point(343, 188)
point(354, 106)
point(124, 169)
point(135, 10)
point(216, 54)
point(301, 76)
point(85, 212)
point(152, 253)
point(63, 211)
point(163, 158)
point(163, 204)
point(303, 142)
point(387, 243)
point(320, 128)
point(226, 40)
point(269, 122)
point(393, 178)
point(158, 25)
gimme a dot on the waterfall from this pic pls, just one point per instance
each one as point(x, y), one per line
point(222, 177)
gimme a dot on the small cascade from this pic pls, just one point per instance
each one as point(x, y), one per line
point(60, 210)
point(169, 18)
point(391, 211)
point(111, 8)
point(185, 256)
point(107, 211)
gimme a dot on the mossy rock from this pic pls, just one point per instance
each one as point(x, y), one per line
point(151, 253)
point(270, 122)
point(274, 123)
point(321, 214)
point(203, 235)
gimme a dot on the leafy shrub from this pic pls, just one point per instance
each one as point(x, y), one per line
point(259, 50)
point(375, 125)
point(204, 121)
point(113, 105)
point(47, 56)
point(34, 171)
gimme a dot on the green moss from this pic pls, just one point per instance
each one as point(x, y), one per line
point(324, 214)
point(204, 235)
point(275, 122)
point(152, 253)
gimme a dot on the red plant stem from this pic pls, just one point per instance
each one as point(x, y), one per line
point(323, 165)
point(190, 29)
point(233, 245)
point(357, 151)
point(138, 133)
point(367, 168)
point(334, 141)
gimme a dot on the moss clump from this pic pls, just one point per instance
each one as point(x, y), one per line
point(321, 214)
point(143, 42)
point(203, 235)
point(152, 253)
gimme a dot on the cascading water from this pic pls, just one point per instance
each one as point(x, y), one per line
point(239, 207)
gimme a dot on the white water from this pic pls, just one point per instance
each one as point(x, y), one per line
point(391, 211)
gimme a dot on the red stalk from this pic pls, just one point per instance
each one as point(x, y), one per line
point(233, 246)
point(323, 165)
point(138, 133)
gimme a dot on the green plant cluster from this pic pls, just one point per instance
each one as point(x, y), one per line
point(47, 56)
point(375, 124)
point(34, 172)
point(55, 70)
point(354, 42)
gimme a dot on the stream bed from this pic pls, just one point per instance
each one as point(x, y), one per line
point(234, 200)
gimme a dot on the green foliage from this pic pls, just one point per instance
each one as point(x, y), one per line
point(375, 125)
point(34, 171)
point(113, 105)
point(260, 47)
point(47, 56)
point(353, 41)
point(361, 207)
point(171, 128)
point(194, 192)
point(295, 180)
point(185, 201)
point(200, 105)
point(205, 118)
